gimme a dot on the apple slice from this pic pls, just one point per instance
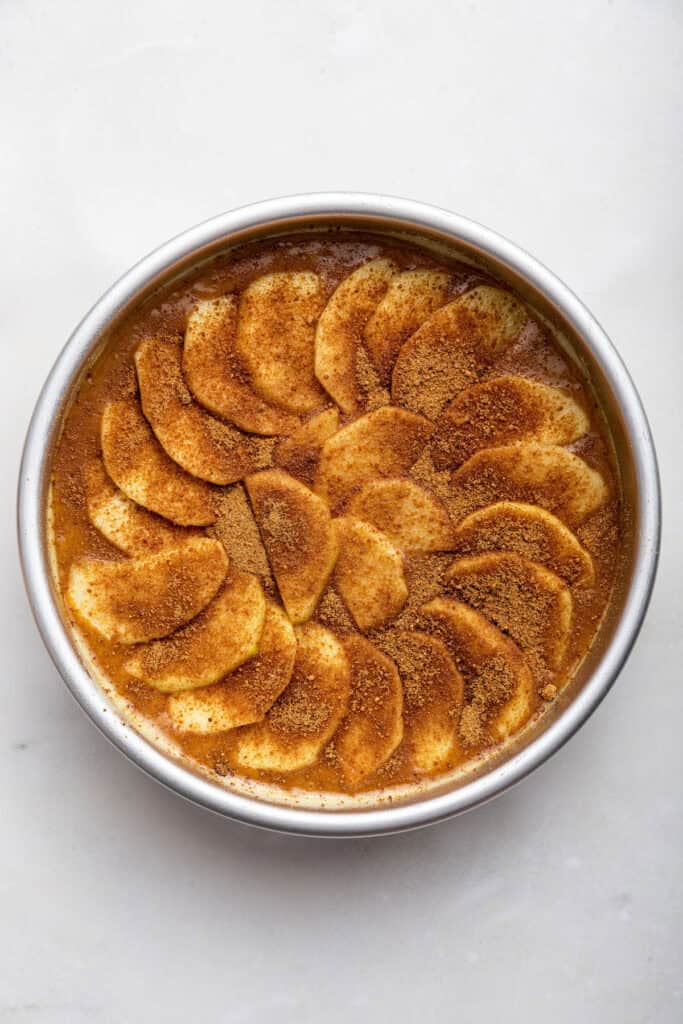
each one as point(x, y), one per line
point(340, 330)
point(531, 473)
point(453, 347)
point(246, 694)
point(123, 523)
point(369, 573)
point(140, 467)
point(530, 531)
point(499, 685)
point(297, 533)
point(299, 453)
point(502, 411)
point(276, 338)
point(198, 442)
point(409, 515)
point(305, 717)
point(523, 598)
point(143, 598)
point(411, 297)
point(383, 443)
point(373, 726)
point(221, 638)
point(215, 373)
point(433, 697)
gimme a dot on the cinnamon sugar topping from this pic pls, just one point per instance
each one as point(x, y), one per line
point(237, 531)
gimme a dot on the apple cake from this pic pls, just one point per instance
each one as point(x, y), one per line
point(335, 513)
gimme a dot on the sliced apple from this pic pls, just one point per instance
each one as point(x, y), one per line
point(306, 715)
point(529, 530)
point(123, 523)
point(411, 297)
point(383, 443)
point(453, 347)
point(531, 473)
point(276, 338)
point(247, 693)
point(297, 533)
point(502, 411)
point(409, 515)
point(373, 725)
point(340, 330)
point(216, 642)
point(140, 467)
point(141, 599)
point(433, 696)
point(299, 453)
point(216, 375)
point(201, 445)
point(523, 598)
point(369, 573)
point(500, 695)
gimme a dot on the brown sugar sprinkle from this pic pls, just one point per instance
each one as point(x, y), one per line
point(282, 531)
point(236, 529)
point(301, 463)
point(485, 694)
point(173, 607)
point(425, 473)
point(426, 385)
point(600, 533)
point(425, 577)
point(258, 450)
point(371, 684)
point(299, 453)
point(332, 612)
point(426, 388)
point(301, 711)
point(421, 674)
point(445, 356)
point(397, 766)
point(375, 395)
point(397, 644)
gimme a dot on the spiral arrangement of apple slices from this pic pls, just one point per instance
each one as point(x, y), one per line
point(266, 388)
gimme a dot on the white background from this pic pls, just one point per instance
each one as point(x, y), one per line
point(558, 124)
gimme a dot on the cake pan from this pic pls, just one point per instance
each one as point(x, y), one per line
point(588, 345)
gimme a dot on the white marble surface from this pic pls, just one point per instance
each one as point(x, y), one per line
point(557, 124)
